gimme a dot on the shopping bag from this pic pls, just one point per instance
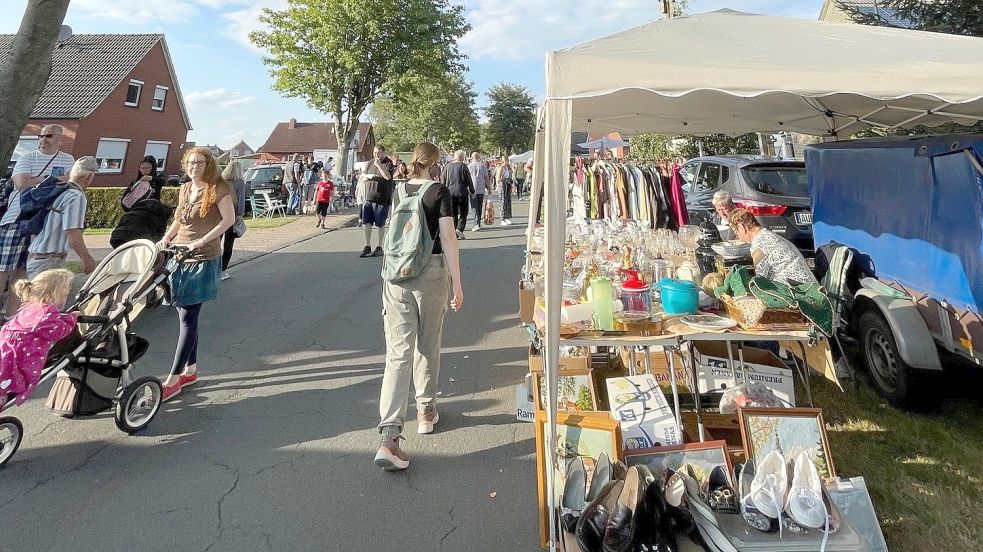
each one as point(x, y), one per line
point(489, 214)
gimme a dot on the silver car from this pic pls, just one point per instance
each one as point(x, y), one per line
point(773, 189)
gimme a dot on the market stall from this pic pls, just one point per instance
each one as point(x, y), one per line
point(703, 74)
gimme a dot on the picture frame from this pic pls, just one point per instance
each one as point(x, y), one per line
point(583, 434)
point(576, 391)
point(790, 430)
point(704, 457)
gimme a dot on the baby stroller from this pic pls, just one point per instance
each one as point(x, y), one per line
point(92, 367)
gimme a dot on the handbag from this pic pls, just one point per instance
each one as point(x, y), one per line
point(239, 227)
point(140, 190)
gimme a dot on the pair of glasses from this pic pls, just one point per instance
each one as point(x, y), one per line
point(43, 136)
point(196, 163)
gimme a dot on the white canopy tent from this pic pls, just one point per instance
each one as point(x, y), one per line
point(731, 72)
point(522, 157)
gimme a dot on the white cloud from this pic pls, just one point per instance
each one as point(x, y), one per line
point(218, 98)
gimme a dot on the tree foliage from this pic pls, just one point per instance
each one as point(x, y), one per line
point(650, 148)
point(962, 17)
point(511, 116)
point(441, 110)
point(340, 55)
point(25, 70)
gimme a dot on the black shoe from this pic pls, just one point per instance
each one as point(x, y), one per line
point(366, 251)
point(623, 522)
point(719, 492)
point(593, 521)
point(602, 474)
point(377, 252)
point(573, 495)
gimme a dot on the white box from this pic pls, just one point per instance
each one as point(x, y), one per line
point(525, 408)
point(646, 418)
point(714, 373)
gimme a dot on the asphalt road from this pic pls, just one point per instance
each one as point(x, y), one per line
point(273, 449)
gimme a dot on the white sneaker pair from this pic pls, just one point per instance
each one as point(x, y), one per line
point(506, 222)
point(771, 493)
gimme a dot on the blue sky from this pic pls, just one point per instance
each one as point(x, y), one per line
point(227, 88)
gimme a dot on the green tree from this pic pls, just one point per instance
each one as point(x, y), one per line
point(962, 17)
point(511, 115)
point(25, 70)
point(340, 55)
point(439, 110)
point(487, 145)
point(653, 147)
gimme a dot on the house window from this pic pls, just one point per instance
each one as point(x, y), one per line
point(133, 93)
point(159, 150)
point(110, 154)
point(235, 153)
point(160, 94)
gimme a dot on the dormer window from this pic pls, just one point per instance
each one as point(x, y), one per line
point(160, 94)
point(133, 93)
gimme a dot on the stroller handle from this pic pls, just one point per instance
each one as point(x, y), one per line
point(87, 319)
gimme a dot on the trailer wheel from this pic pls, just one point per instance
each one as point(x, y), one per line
point(11, 435)
point(892, 377)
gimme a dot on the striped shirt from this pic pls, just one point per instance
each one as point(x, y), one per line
point(32, 163)
point(67, 213)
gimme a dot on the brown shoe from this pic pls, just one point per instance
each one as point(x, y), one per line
point(390, 457)
point(427, 419)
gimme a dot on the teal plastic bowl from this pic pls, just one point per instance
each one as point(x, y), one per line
point(679, 296)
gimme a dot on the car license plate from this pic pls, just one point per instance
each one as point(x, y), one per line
point(803, 218)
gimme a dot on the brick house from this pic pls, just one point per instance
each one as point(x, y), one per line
point(241, 149)
point(118, 98)
point(317, 139)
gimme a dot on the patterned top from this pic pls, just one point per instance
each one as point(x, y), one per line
point(24, 345)
point(780, 261)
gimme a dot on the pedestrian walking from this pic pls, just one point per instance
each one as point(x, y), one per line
point(64, 223)
point(205, 211)
point(30, 170)
point(146, 185)
point(377, 181)
point(457, 178)
point(482, 185)
point(520, 180)
point(504, 178)
point(296, 171)
point(322, 195)
point(233, 175)
point(413, 316)
point(312, 170)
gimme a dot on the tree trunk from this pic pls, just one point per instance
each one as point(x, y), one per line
point(344, 134)
point(26, 70)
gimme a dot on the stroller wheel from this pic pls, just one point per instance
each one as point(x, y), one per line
point(11, 434)
point(138, 404)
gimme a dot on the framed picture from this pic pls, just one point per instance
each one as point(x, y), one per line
point(704, 457)
point(583, 435)
point(574, 391)
point(789, 431)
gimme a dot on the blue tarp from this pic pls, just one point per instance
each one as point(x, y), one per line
point(911, 207)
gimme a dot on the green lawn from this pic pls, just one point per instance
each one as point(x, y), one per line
point(97, 231)
point(923, 469)
point(273, 222)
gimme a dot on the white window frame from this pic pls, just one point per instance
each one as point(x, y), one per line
point(163, 100)
point(139, 85)
point(21, 150)
point(161, 161)
point(102, 159)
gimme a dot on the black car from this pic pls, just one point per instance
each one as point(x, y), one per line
point(266, 178)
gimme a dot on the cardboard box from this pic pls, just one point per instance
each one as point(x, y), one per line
point(574, 363)
point(715, 373)
point(646, 419)
point(525, 408)
point(527, 304)
point(660, 367)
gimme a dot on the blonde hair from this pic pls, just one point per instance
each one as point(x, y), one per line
point(210, 176)
point(425, 155)
point(738, 217)
point(48, 287)
point(233, 171)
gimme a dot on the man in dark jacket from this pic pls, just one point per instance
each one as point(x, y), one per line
point(457, 178)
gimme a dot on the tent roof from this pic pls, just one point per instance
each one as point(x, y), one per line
point(733, 72)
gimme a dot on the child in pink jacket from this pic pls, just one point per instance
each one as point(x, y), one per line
point(26, 339)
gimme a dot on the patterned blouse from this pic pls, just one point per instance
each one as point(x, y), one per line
point(781, 261)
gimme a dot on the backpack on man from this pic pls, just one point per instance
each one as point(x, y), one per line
point(408, 245)
point(37, 202)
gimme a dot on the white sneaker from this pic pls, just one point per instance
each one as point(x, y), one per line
point(505, 223)
point(805, 495)
point(476, 228)
point(770, 485)
point(225, 275)
point(508, 222)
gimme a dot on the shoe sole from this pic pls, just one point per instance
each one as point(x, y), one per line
point(424, 428)
point(387, 464)
point(183, 385)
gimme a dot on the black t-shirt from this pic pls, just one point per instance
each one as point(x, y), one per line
point(436, 205)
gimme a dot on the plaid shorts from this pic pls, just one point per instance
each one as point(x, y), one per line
point(13, 248)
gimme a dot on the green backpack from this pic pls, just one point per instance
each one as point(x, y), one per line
point(408, 244)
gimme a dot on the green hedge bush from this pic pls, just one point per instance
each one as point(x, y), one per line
point(104, 209)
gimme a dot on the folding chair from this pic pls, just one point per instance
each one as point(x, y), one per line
point(834, 281)
point(274, 205)
point(258, 207)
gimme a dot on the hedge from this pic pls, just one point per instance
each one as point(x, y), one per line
point(104, 209)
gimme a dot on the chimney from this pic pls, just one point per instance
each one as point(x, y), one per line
point(292, 123)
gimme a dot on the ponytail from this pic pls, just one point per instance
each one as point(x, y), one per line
point(22, 289)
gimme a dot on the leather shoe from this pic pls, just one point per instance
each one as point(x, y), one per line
point(623, 522)
point(602, 474)
point(573, 495)
point(594, 519)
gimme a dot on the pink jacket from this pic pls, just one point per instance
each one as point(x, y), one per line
point(24, 344)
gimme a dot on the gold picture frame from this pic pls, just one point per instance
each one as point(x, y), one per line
point(789, 430)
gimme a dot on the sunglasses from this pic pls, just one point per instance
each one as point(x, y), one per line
point(43, 136)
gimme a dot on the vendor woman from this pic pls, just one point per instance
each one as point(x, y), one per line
point(774, 257)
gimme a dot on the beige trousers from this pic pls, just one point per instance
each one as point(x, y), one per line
point(413, 316)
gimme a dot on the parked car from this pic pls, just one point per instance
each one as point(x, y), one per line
point(266, 178)
point(773, 189)
point(911, 212)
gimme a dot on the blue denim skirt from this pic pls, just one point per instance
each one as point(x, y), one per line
point(195, 282)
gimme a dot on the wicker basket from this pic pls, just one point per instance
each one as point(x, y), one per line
point(751, 314)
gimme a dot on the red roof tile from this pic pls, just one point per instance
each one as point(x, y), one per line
point(307, 137)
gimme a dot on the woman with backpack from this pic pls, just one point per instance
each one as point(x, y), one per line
point(414, 300)
point(146, 185)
